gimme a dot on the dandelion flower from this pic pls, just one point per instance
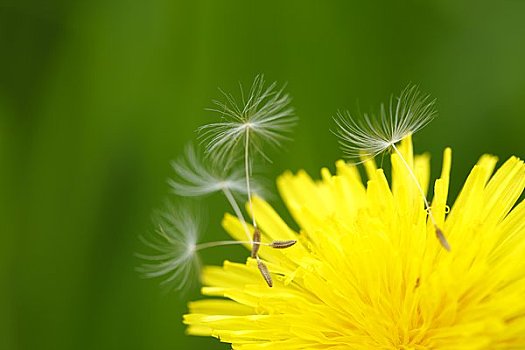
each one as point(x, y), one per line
point(366, 272)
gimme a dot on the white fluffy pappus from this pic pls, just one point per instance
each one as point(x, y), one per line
point(263, 116)
point(368, 135)
point(174, 246)
point(195, 178)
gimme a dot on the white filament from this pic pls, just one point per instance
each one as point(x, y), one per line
point(369, 135)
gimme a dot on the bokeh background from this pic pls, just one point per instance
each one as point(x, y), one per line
point(96, 97)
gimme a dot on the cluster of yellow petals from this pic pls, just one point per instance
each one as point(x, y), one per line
point(369, 273)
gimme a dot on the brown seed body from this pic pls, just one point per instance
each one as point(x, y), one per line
point(442, 239)
point(256, 242)
point(265, 273)
point(283, 244)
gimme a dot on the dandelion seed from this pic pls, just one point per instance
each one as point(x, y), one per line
point(175, 243)
point(264, 117)
point(368, 136)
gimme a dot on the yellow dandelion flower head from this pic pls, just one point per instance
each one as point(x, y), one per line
point(367, 271)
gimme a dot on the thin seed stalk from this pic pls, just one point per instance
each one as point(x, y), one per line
point(247, 173)
point(439, 233)
point(213, 244)
point(237, 210)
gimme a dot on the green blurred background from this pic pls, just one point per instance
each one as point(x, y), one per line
point(96, 97)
